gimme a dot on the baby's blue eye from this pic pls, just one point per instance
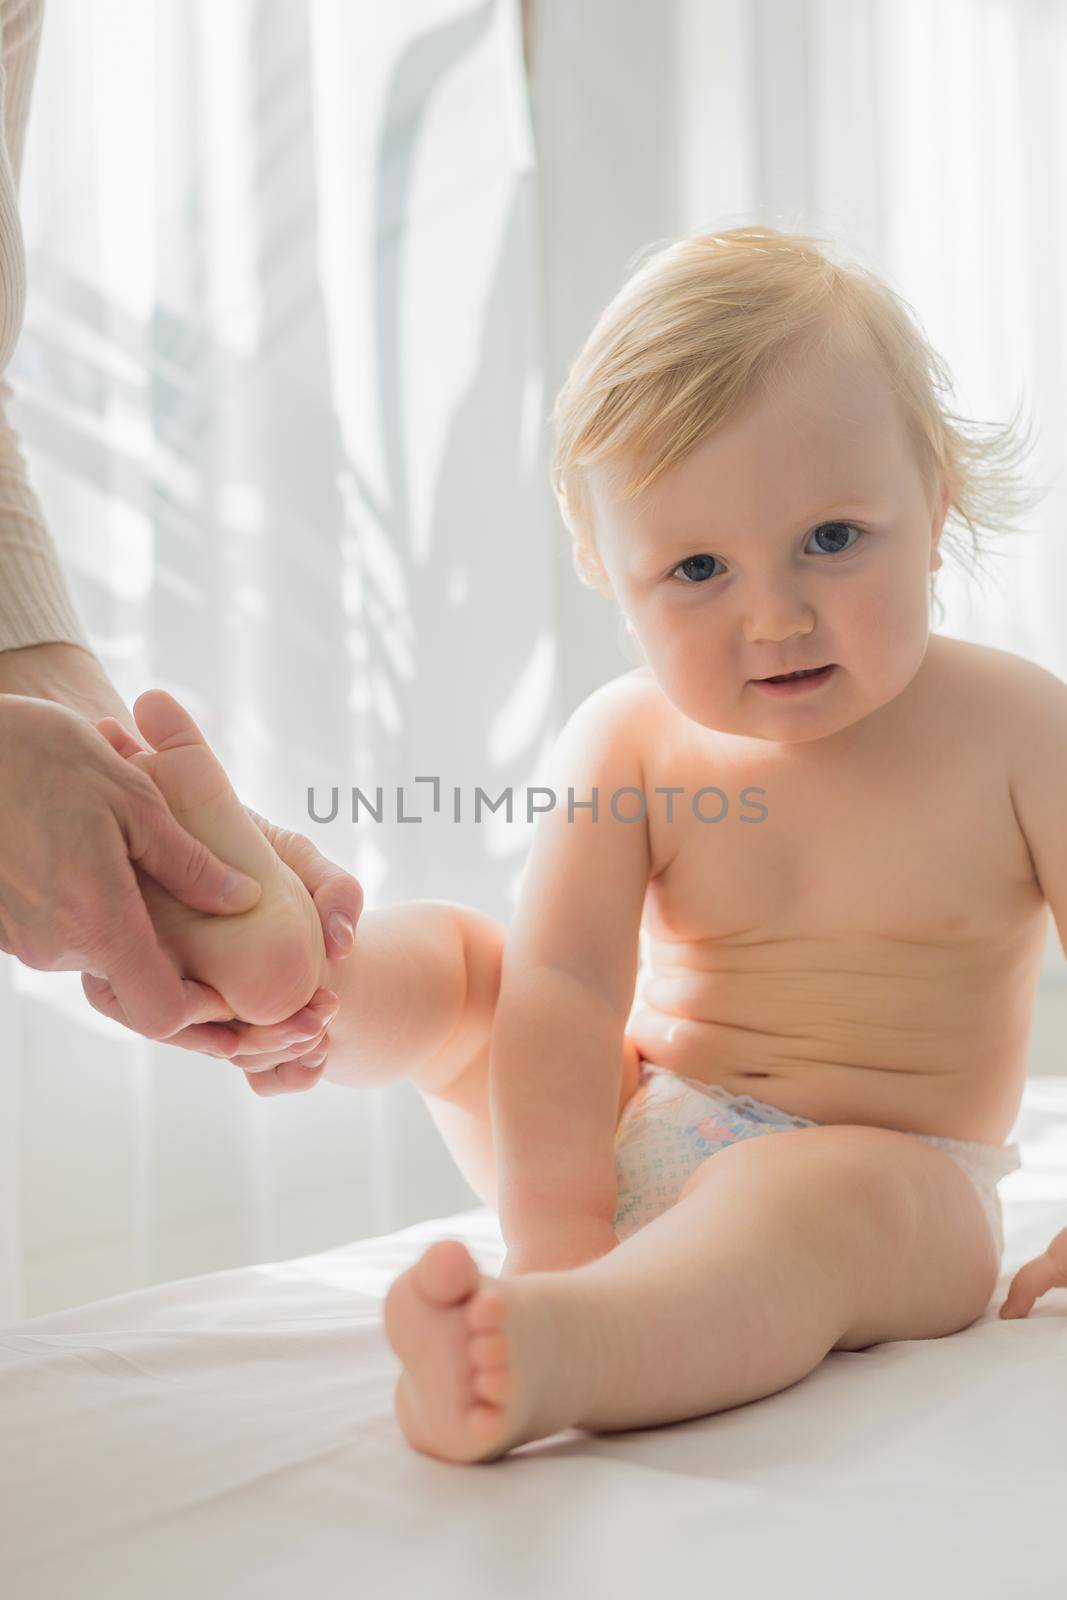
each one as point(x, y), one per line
point(702, 564)
point(839, 530)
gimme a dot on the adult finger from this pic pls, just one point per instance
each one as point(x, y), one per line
point(338, 898)
point(207, 1038)
point(312, 1053)
point(156, 1000)
point(337, 895)
point(205, 1003)
point(288, 1079)
point(299, 1029)
point(184, 866)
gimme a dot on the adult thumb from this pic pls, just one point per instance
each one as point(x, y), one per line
point(184, 866)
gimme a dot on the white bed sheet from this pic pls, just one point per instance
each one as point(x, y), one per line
point(233, 1436)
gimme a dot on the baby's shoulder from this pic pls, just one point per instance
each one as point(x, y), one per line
point(1015, 706)
point(1001, 683)
point(622, 713)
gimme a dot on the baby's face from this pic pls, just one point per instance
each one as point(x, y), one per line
point(795, 536)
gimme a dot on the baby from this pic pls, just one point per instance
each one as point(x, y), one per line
point(838, 833)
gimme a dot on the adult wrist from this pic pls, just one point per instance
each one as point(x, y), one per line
point(68, 674)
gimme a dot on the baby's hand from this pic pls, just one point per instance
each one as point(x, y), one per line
point(1037, 1277)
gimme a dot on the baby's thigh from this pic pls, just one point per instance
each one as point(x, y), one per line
point(894, 1219)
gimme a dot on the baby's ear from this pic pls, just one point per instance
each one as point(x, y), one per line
point(591, 571)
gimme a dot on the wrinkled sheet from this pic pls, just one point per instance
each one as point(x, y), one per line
point(233, 1435)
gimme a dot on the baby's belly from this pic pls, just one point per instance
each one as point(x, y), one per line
point(928, 1040)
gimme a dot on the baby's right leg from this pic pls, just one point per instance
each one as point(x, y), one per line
point(418, 995)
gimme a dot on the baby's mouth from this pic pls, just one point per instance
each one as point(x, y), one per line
point(787, 677)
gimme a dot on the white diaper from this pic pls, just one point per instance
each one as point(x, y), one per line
point(671, 1125)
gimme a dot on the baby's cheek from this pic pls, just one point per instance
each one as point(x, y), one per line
point(895, 613)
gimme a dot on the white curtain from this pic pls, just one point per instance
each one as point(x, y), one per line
point(279, 388)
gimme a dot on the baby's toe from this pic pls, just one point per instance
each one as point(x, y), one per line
point(486, 1312)
point(488, 1351)
point(447, 1272)
point(493, 1387)
point(164, 722)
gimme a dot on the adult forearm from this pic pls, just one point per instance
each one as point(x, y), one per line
point(554, 1076)
point(67, 674)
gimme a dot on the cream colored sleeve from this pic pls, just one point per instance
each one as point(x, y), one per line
point(35, 607)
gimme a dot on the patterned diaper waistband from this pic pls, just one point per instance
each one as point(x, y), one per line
point(993, 1160)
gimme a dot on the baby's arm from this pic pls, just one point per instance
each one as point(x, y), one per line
point(1039, 794)
point(569, 970)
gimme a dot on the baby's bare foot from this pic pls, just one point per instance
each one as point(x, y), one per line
point(482, 1365)
point(267, 962)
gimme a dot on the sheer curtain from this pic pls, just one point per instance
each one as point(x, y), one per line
point(280, 391)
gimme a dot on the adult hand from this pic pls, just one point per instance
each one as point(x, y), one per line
point(77, 819)
point(272, 1057)
point(270, 1061)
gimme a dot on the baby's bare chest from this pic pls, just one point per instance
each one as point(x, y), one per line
point(920, 845)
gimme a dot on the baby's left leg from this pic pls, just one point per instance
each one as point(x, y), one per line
point(778, 1250)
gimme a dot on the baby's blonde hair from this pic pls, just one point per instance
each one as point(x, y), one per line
point(706, 324)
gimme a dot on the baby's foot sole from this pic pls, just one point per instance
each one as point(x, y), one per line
point(184, 764)
point(464, 1395)
point(266, 963)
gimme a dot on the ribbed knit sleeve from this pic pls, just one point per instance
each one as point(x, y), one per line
point(35, 607)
